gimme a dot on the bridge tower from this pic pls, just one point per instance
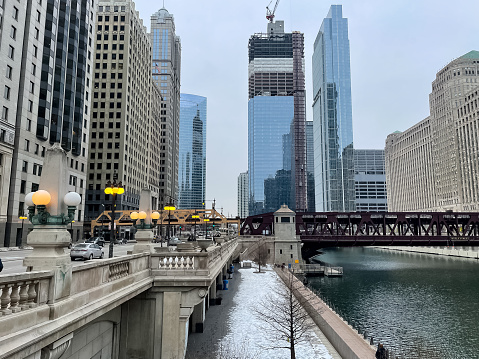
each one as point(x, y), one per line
point(287, 245)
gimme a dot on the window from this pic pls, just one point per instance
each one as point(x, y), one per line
point(37, 33)
point(39, 16)
point(13, 32)
point(35, 51)
point(5, 113)
point(25, 166)
point(27, 145)
point(8, 74)
point(23, 184)
point(11, 52)
point(15, 13)
point(32, 87)
point(6, 93)
point(29, 125)
point(34, 68)
point(30, 105)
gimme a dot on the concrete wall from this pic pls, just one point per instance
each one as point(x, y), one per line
point(347, 342)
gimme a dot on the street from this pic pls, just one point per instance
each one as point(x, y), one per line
point(13, 260)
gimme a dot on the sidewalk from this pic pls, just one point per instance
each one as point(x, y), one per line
point(203, 345)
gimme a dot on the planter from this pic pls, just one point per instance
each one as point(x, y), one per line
point(220, 240)
point(203, 244)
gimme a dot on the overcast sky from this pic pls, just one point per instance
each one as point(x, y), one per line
point(397, 47)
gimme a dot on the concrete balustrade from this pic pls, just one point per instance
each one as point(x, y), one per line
point(33, 320)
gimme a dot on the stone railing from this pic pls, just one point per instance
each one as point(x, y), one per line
point(193, 260)
point(20, 292)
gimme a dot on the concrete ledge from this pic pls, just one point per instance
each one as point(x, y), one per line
point(23, 343)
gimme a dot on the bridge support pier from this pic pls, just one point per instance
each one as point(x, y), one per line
point(198, 317)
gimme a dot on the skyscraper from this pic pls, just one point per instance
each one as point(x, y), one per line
point(276, 110)
point(165, 67)
point(432, 166)
point(332, 116)
point(192, 152)
point(310, 165)
point(45, 52)
point(370, 179)
point(243, 195)
point(125, 110)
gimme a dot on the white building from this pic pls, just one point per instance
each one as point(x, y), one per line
point(430, 166)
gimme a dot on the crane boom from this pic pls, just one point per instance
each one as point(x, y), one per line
point(269, 13)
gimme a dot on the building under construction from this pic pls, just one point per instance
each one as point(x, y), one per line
point(276, 120)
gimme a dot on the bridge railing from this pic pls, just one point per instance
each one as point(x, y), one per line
point(23, 291)
point(192, 261)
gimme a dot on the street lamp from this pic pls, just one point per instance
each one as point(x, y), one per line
point(113, 189)
point(20, 240)
point(206, 226)
point(169, 207)
point(195, 217)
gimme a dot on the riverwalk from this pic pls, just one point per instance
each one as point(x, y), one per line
point(231, 328)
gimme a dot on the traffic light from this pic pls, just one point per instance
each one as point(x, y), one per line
point(213, 225)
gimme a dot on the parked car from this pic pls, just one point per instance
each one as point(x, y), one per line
point(86, 251)
point(97, 240)
point(174, 241)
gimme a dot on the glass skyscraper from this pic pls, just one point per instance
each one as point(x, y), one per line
point(276, 121)
point(192, 152)
point(332, 116)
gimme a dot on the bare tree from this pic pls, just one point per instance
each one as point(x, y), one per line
point(260, 254)
point(284, 317)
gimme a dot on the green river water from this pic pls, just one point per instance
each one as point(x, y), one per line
point(418, 305)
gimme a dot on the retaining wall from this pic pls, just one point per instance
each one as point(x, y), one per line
point(347, 341)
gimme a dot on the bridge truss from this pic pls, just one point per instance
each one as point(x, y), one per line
point(335, 229)
point(180, 217)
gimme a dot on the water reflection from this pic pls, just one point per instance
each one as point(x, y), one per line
point(420, 305)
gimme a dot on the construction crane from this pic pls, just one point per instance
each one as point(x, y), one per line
point(269, 13)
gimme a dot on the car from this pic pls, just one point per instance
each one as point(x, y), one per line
point(174, 241)
point(86, 251)
point(97, 240)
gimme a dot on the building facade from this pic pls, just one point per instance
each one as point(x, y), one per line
point(48, 56)
point(276, 110)
point(192, 152)
point(123, 144)
point(332, 116)
point(243, 195)
point(370, 181)
point(430, 166)
point(310, 165)
point(165, 68)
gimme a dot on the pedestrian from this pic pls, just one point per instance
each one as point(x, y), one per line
point(1, 265)
point(381, 352)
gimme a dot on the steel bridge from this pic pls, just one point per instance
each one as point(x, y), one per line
point(339, 229)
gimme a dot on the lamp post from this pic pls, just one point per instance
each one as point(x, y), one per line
point(169, 207)
point(206, 226)
point(195, 217)
point(101, 234)
point(113, 189)
point(20, 240)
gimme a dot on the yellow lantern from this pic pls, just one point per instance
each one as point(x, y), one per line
point(155, 216)
point(108, 190)
point(142, 215)
point(41, 198)
point(134, 215)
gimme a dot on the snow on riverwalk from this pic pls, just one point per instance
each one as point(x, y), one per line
point(233, 327)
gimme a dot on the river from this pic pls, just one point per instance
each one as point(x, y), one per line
point(418, 305)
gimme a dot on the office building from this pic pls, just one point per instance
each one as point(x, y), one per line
point(370, 181)
point(332, 116)
point(165, 67)
point(243, 195)
point(432, 165)
point(46, 57)
point(276, 110)
point(192, 152)
point(126, 109)
point(310, 165)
